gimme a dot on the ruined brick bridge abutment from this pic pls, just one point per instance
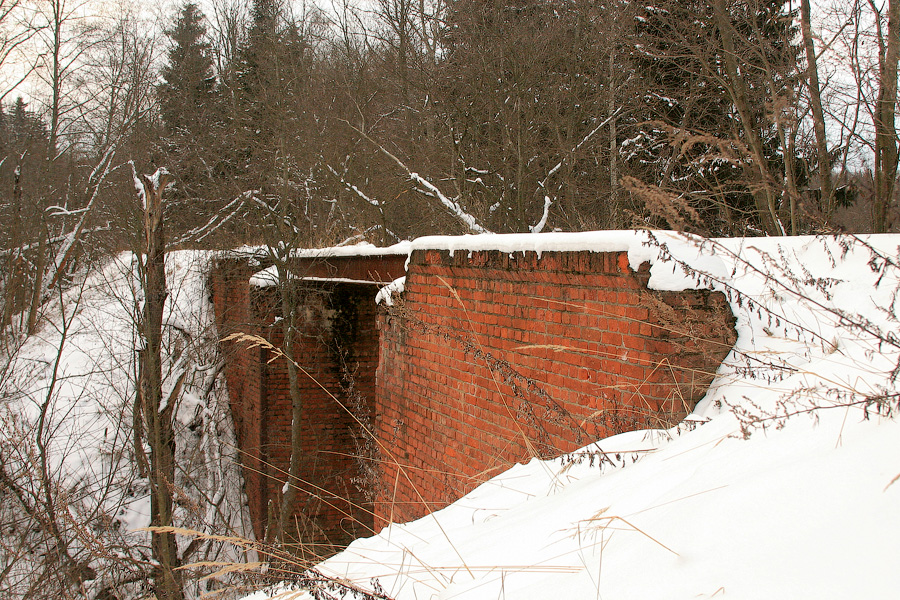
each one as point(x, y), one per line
point(487, 357)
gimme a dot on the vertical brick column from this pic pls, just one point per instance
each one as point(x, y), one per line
point(338, 350)
point(244, 376)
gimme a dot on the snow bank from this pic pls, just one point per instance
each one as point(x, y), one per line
point(594, 241)
point(783, 484)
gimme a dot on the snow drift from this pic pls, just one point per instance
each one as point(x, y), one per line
point(782, 484)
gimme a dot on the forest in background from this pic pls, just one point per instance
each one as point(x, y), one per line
point(296, 125)
point(391, 119)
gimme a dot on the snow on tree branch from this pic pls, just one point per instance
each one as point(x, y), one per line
point(451, 205)
point(539, 227)
point(454, 207)
point(138, 186)
point(101, 171)
point(230, 210)
point(543, 183)
point(269, 209)
point(352, 187)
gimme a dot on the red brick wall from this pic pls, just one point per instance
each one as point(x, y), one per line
point(382, 269)
point(486, 360)
point(230, 288)
point(332, 509)
point(492, 358)
point(338, 348)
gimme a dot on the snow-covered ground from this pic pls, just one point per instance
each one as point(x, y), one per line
point(784, 483)
point(66, 406)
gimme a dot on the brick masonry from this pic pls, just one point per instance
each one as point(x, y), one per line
point(487, 359)
point(337, 350)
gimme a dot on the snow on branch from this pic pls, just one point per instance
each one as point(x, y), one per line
point(543, 183)
point(97, 177)
point(451, 205)
point(539, 227)
point(361, 236)
point(269, 209)
point(352, 187)
point(63, 211)
point(138, 186)
point(229, 211)
point(454, 207)
point(51, 241)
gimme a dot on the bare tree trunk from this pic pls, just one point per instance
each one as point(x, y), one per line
point(397, 14)
point(37, 296)
point(17, 268)
point(56, 22)
point(885, 115)
point(823, 159)
point(289, 306)
point(790, 177)
point(280, 251)
point(158, 412)
point(762, 192)
point(613, 211)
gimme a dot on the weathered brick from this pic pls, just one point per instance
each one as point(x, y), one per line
point(489, 359)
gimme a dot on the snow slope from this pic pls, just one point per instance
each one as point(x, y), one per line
point(782, 484)
point(70, 388)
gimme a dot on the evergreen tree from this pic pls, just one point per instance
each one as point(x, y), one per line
point(709, 133)
point(272, 76)
point(194, 136)
point(276, 135)
point(24, 142)
point(25, 130)
point(189, 85)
